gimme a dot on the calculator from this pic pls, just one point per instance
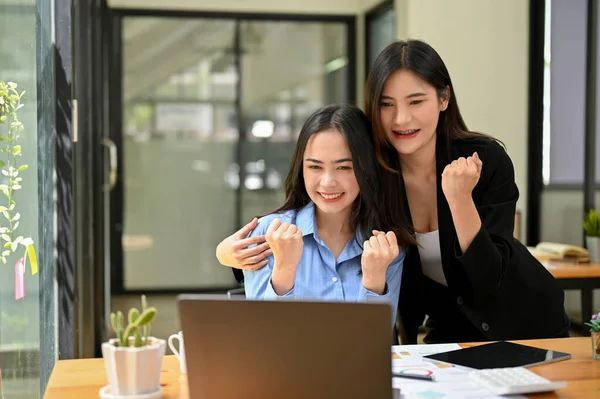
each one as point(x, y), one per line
point(513, 380)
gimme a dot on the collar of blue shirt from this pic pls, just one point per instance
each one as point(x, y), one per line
point(306, 222)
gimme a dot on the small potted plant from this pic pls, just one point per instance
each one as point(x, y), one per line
point(591, 225)
point(594, 325)
point(133, 360)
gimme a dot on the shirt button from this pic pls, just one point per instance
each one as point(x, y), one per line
point(460, 301)
point(334, 279)
point(485, 326)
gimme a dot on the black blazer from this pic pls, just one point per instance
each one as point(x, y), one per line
point(498, 285)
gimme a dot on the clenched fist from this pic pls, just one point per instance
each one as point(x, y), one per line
point(285, 240)
point(460, 178)
point(378, 253)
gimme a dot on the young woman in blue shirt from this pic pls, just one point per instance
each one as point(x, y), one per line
point(325, 239)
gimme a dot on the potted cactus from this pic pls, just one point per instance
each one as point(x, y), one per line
point(591, 225)
point(133, 360)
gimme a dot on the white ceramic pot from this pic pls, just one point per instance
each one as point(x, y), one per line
point(593, 247)
point(134, 371)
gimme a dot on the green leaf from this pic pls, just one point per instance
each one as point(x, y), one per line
point(6, 237)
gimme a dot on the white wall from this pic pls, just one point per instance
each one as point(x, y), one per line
point(485, 45)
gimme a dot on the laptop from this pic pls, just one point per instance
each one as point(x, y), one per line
point(238, 348)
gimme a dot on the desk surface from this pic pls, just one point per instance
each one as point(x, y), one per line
point(564, 270)
point(83, 378)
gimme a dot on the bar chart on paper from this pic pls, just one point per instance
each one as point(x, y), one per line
point(449, 382)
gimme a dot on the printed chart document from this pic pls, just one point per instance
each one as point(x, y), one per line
point(451, 382)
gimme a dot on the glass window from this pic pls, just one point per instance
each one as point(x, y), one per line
point(182, 148)
point(19, 289)
point(564, 94)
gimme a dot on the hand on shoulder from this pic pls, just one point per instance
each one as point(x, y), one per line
point(234, 250)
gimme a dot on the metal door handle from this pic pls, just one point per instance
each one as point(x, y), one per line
point(112, 166)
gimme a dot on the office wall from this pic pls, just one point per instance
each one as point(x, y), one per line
point(485, 45)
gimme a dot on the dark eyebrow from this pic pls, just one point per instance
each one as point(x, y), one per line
point(342, 160)
point(409, 96)
point(336, 161)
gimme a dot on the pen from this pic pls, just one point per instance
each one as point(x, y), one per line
point(414, 376)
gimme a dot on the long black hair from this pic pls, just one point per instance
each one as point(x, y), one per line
point(353, 124)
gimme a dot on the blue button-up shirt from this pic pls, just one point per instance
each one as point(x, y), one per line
point(319, 274)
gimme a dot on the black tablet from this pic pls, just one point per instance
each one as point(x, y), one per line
point(499, 354)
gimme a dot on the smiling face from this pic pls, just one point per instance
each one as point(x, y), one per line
point(328, 172)
point(410, 109)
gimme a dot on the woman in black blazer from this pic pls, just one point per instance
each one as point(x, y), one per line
point(455, 191)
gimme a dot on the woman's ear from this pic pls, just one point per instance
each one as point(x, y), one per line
point(444, 98)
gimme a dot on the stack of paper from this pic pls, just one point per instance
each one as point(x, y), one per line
point(450, 382)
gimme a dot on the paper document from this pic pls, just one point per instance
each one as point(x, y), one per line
point(450, 382)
